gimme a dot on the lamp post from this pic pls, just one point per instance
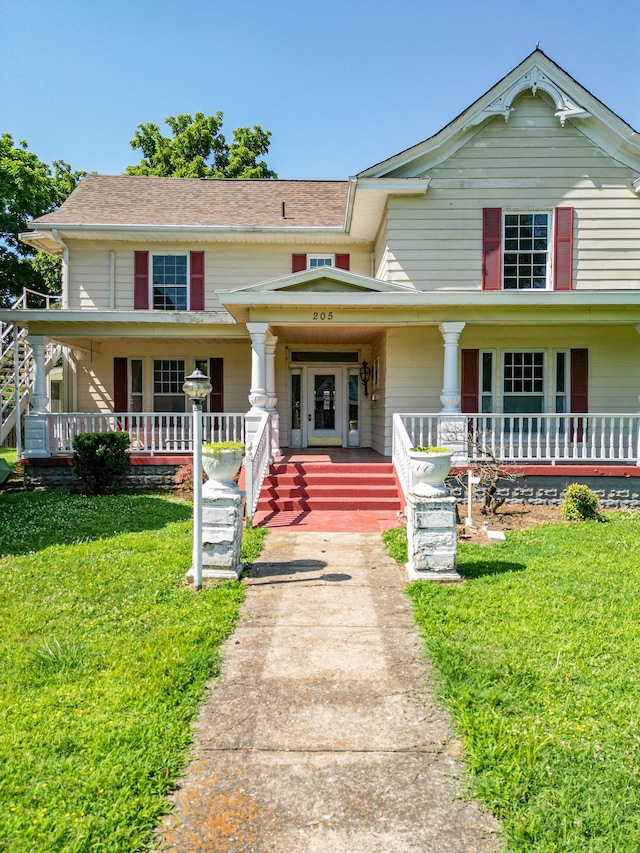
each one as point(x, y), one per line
point(196, 387)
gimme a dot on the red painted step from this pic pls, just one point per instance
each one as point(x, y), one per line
point(303, 487)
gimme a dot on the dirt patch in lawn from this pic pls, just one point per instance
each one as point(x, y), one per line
point(508, 517)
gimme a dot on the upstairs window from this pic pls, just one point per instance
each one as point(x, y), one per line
point(530, 250)
point(526, 251)
point(169, 282)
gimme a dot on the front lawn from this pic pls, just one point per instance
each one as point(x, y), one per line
point(537, 656)
point(104, 655)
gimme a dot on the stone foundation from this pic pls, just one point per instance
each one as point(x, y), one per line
point(615, 492)
point(58, 471)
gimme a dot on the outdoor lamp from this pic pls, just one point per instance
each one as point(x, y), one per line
point(196, 387)
point(365, 376)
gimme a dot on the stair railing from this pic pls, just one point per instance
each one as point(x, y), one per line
point(256, 462)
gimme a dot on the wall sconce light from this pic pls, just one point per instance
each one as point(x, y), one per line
point(365, 376)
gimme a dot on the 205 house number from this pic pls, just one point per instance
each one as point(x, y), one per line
point(323, 315)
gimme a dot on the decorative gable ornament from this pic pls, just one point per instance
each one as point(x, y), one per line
point(533, 80)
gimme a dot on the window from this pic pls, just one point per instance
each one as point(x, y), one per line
point(526, 251)
point(169, 279)
point(523, 382)
point(486, 382)
point(136, 397)
point(168, 379)
point(315, 261)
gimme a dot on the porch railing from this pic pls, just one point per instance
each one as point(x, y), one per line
point(257, 462)
point(547, 438)
point(150, 432)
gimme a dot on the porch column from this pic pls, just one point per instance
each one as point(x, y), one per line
point(272, 400)
point(450, 397)
point(258, 393)
point(451, 426)
point(36, 426)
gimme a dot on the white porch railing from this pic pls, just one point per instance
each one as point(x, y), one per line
point(546, 438)
point(150, 432)
point(257, 461)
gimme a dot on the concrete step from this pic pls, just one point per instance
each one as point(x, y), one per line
point(329, 504)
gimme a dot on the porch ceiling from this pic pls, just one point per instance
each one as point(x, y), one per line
point(318, 334)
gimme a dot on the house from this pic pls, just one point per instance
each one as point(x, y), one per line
point(481, 287)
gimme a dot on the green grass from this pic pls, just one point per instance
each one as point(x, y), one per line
point(104, 656)
point(9, 455)
point(536, 656)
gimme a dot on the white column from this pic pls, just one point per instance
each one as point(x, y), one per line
point(272, 400)
point(258, 393)
point(450, 397)
point(36, 426)
point(39, 398)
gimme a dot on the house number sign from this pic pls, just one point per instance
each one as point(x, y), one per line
point(323, 315)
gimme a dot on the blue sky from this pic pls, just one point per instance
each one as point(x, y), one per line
point(342, 84)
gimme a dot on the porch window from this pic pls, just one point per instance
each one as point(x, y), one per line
point(523, 382)
point(168, 379)
point(526, 249)
point(561, 381)
point(136, 398)
point(169, 280)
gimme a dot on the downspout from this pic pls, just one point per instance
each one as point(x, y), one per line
point(65, 267)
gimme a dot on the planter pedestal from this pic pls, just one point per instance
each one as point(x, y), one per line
point(222, 525)
point(431, 538)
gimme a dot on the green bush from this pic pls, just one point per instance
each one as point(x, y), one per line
point(100, 459)
point(580, 503)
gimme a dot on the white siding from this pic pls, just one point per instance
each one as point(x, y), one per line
point(227, 266)
point(531, 163)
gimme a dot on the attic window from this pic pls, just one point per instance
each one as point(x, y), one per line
point(315, 261)
point(526, 246)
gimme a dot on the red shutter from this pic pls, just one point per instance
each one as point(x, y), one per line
point(579, 401)
point(491, 248)
point(563, 248)
point(196, 281)
point(580, 380)
point(298, 263)
point(342, 262)
point(470, 360)
point(141, 281)
point(216, 398)
point(120, 390)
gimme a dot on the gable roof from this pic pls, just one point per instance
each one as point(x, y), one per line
point(103, 200)
point(537, 72)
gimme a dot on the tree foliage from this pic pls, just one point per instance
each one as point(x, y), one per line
point(28, 189)
point(197, 148)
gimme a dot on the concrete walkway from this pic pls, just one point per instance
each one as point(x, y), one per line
point(321, 734)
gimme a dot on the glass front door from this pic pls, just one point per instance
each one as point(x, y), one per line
point(325, 409)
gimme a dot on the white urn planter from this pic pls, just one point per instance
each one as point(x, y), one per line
point(221, 464)
point(430, 466)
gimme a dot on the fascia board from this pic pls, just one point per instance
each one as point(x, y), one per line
point(547, 299)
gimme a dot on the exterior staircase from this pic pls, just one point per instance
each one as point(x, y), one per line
point(330, 495)
point(24, 371)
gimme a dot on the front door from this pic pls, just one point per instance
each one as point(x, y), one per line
point(325, 407)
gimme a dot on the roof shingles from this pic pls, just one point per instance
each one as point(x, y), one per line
point(132, 200)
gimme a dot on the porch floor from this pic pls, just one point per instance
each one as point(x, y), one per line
point(329, 520)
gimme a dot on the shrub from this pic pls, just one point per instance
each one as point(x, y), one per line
point(183, 481)
point(580, 503)
point(100, 459)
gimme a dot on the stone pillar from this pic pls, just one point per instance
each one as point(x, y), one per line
point(222, 525)
point(431, 538)
point(452, 429)
point(272, 400)
point(36, 425)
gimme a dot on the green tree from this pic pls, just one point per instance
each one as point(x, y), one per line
point(197, 148)
point(28, 188)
